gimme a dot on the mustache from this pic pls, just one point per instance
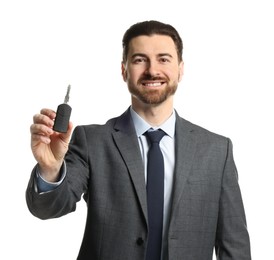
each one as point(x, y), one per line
point(151, 77)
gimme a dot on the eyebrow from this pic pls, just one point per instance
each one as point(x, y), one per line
point(145, 56)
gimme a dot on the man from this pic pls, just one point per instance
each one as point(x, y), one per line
point(109, 165)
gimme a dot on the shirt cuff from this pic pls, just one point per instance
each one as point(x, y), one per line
point(43, 186)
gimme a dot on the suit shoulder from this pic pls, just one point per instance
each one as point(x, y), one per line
point(203, 133)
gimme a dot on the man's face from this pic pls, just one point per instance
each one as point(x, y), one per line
point(152, 69)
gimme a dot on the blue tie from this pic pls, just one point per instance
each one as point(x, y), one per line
point(155, 195)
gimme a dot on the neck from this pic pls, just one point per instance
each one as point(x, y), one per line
point(155, 115)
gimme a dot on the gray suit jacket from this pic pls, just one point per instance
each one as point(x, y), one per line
point(104, 163)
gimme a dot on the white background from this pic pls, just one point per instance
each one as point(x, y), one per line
point(227, 88)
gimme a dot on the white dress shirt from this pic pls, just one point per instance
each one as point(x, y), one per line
point(167, 146)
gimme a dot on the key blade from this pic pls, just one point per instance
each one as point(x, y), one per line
point(67, 95)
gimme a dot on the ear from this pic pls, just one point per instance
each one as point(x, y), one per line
point(124, 71)
point(181, 70)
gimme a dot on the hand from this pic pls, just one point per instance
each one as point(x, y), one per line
point(48, 147)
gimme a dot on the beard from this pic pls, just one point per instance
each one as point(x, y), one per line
point(153, 96)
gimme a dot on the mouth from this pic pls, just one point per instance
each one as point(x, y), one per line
point(153, 84)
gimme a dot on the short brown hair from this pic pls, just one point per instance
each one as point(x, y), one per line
point(149, 28)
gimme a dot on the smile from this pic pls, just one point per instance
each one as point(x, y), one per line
point(153, 84)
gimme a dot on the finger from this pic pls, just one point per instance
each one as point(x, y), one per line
point(41, 129)
point(48, 112)
point(39, 138)
point(43, 119)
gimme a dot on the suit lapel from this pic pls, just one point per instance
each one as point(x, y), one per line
point(126, 140)
point(184, 151)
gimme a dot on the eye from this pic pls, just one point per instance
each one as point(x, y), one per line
point(164, 60)
point(138, 60)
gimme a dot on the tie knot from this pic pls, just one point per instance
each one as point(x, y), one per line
point(155, 136)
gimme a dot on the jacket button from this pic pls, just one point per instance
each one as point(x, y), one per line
point(139, 241)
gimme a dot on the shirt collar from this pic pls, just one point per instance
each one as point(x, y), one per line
point(141, 126)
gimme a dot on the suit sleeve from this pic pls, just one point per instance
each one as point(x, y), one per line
point(232, 239)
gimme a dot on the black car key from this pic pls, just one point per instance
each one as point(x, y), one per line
point(62, 115)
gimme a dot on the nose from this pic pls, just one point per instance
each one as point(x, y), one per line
point(152, 68)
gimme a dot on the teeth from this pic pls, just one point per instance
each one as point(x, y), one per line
point(156, 84)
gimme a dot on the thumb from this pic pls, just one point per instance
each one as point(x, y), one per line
point(66, 136)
